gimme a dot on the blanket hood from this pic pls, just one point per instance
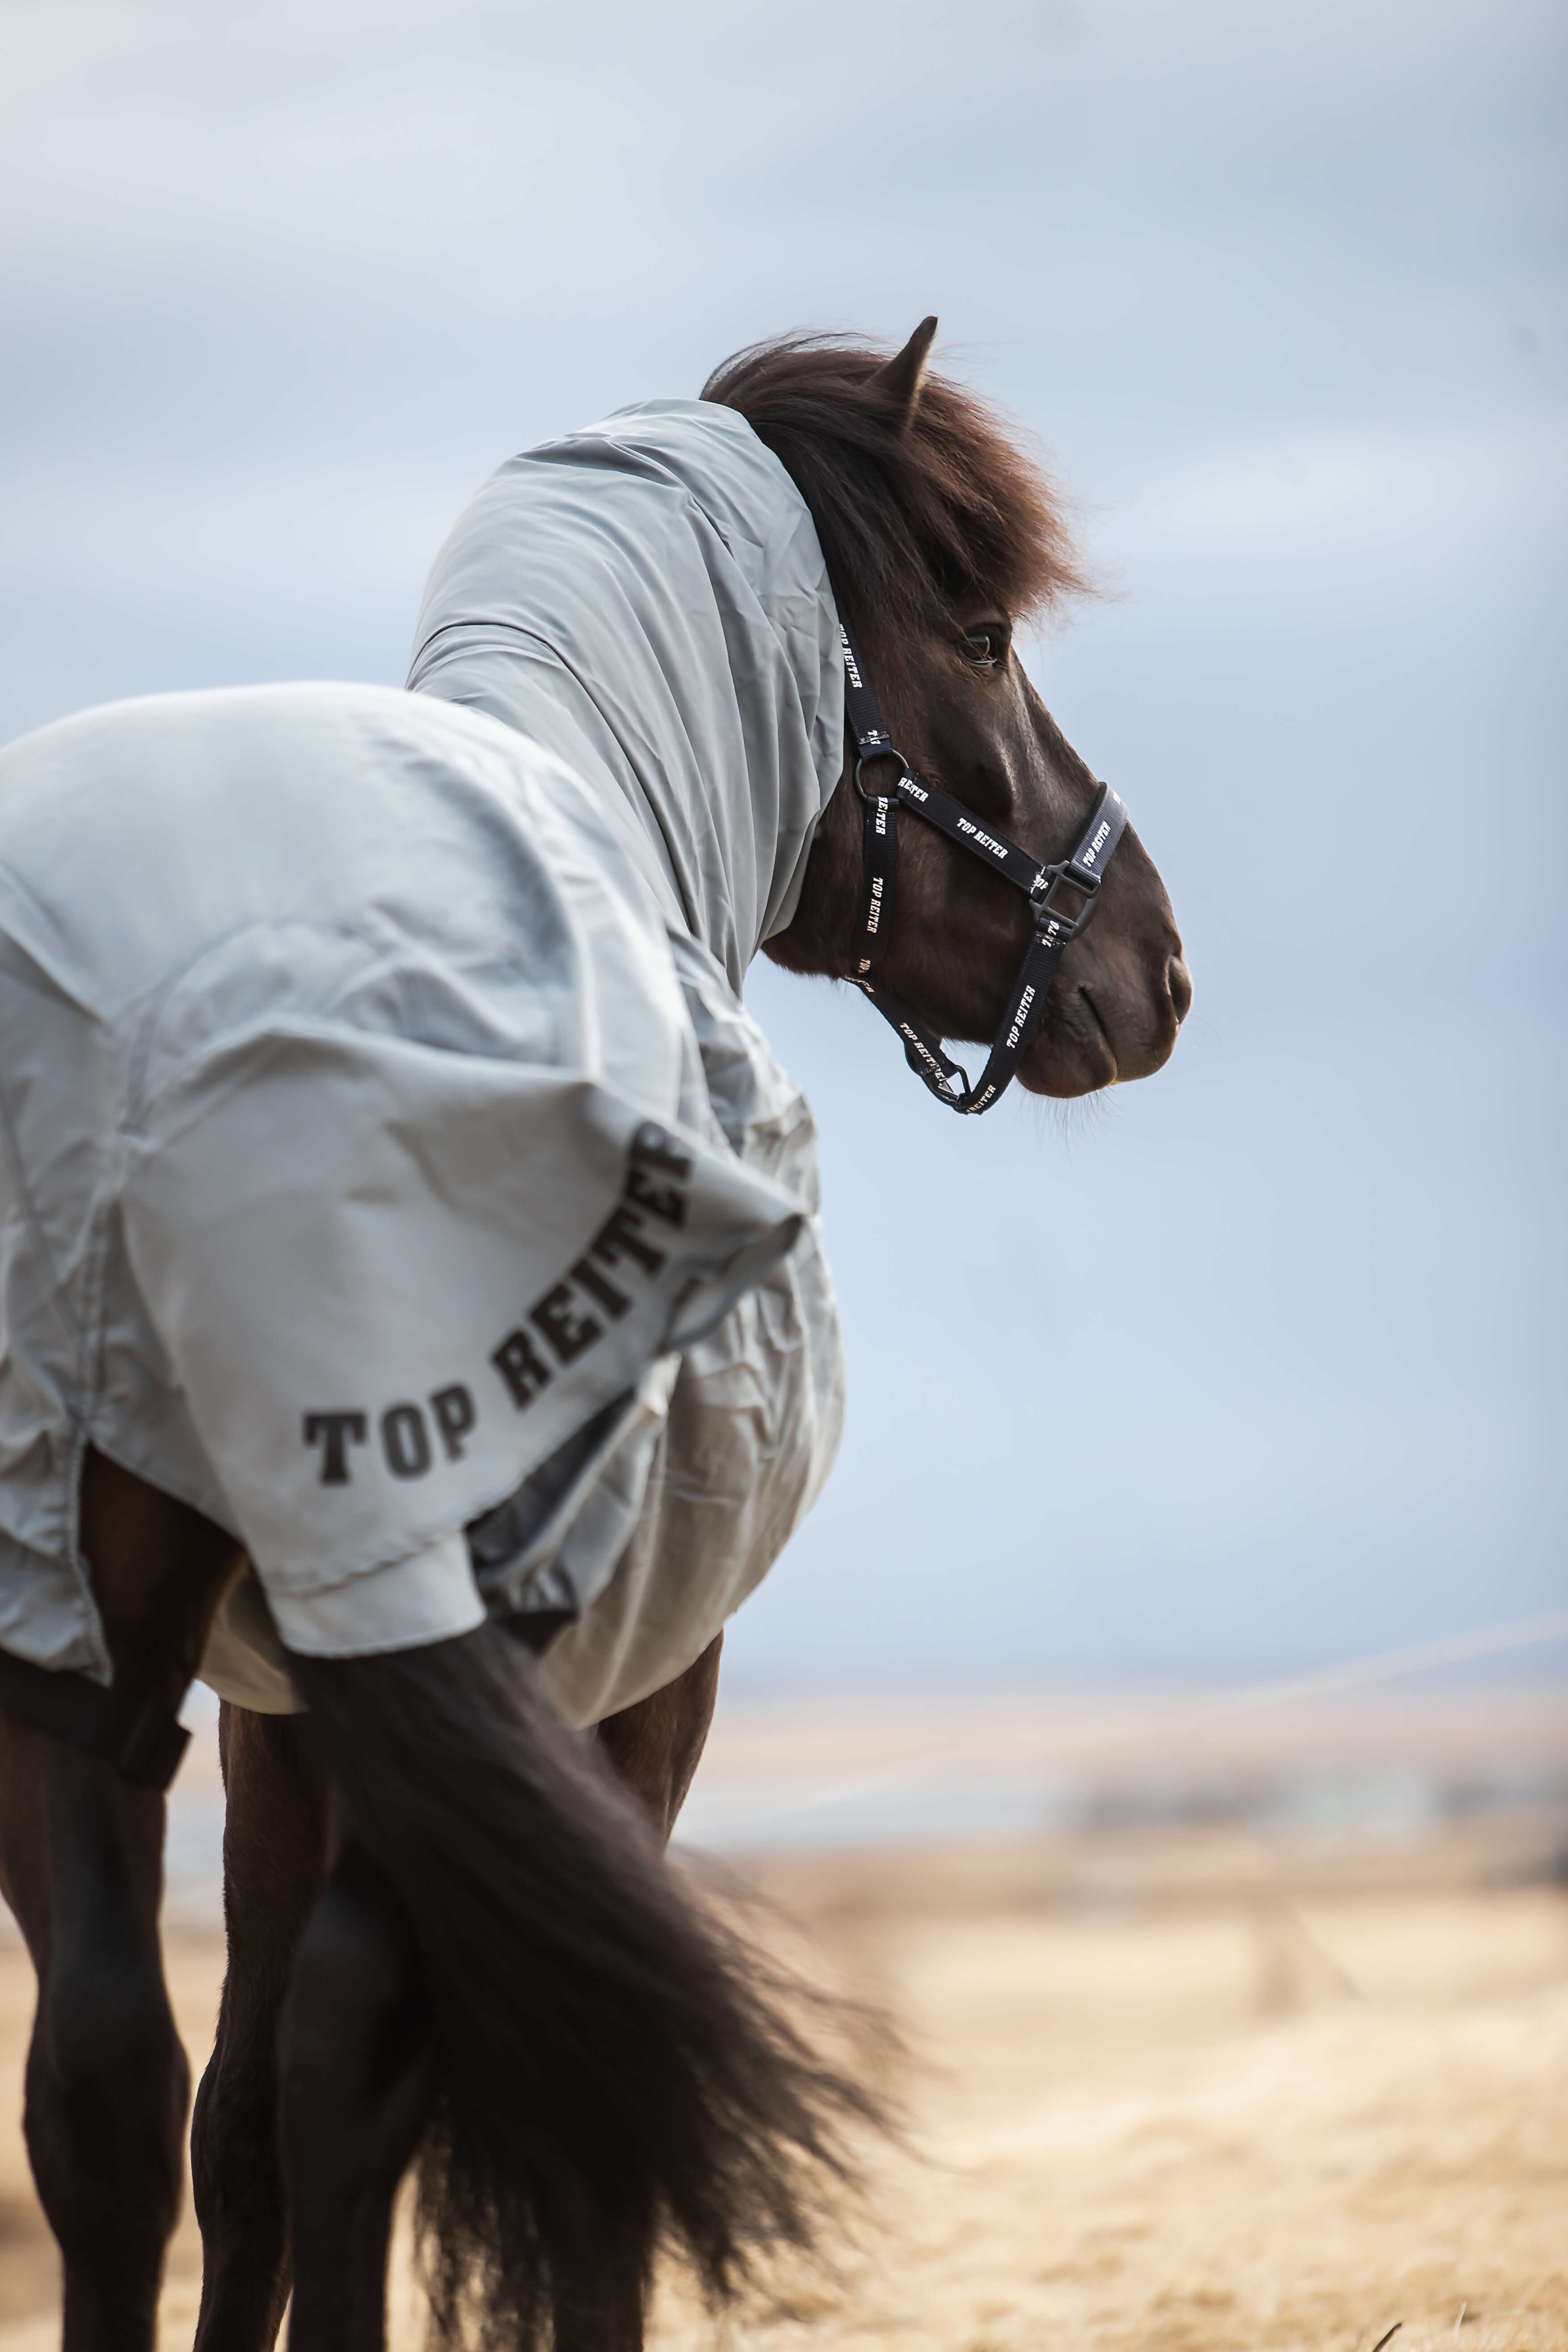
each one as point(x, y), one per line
point(647, 600)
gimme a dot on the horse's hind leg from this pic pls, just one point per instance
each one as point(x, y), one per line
point(654, 1749)
point(359, 2067)
point(81, 1862)
point(358, 2075)
point(275, 1860)
point(82, 1865)
point(599, 2308)
point(655, 1746)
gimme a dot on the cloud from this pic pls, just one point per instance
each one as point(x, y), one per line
point(1407, 497)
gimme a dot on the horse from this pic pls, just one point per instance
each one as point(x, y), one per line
point(454, 1941)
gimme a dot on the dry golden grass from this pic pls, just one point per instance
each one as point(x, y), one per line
point(1164, 2098)
point(1217, 2125)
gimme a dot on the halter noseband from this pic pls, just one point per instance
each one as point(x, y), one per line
point(1053, 926)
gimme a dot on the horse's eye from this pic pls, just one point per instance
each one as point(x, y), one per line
point(980, 647)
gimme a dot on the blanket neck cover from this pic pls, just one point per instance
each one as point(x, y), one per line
point(648, 599)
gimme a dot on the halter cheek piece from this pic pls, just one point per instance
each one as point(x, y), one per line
point(1055, 925)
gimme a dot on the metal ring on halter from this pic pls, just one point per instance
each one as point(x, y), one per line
point(864, 759)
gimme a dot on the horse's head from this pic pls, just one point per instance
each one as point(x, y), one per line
point(940, 536)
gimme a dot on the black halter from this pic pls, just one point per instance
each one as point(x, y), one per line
point(1054, 925)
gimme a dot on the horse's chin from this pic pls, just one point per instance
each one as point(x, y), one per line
point(1100, 1034)
point(1074, 1057)
point(1065, 1081)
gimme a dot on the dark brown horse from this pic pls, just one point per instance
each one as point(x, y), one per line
point(452, 1939)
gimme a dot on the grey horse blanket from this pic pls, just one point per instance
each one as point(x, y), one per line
point(391, 1167)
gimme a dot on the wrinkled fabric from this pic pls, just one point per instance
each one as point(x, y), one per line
point(648, 599)
point(390, 1167)
point(687, 1515)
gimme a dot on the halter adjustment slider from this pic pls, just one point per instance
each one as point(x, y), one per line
point(1056, 920)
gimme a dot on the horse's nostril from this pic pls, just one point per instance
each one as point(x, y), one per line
point(1179, 980)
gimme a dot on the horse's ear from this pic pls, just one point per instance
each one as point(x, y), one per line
point(901, 379)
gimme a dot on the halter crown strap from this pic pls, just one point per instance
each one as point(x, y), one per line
point(1056, 924)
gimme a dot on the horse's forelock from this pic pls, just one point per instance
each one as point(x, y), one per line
point(917, 519)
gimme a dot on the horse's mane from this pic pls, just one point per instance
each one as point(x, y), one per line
point(917, 518)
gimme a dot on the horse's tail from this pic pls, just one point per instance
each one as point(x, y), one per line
point(613, 2072)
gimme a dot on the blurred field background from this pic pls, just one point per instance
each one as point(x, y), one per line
point(1227, 2024)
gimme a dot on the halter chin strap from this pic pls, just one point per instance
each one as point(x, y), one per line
point(1054, 924)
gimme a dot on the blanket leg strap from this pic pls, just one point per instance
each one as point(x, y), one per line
point(142, 1739)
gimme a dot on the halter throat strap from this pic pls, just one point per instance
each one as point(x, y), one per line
point(1057, 918)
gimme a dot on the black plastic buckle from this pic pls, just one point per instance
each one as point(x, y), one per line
point(1048, 915)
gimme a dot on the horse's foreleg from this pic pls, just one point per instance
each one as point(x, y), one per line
point(106, 2081)
point(275, 1861)
point(656, 1746)
point(358, 2074)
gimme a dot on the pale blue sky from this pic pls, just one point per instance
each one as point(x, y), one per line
point(1260, 1363)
